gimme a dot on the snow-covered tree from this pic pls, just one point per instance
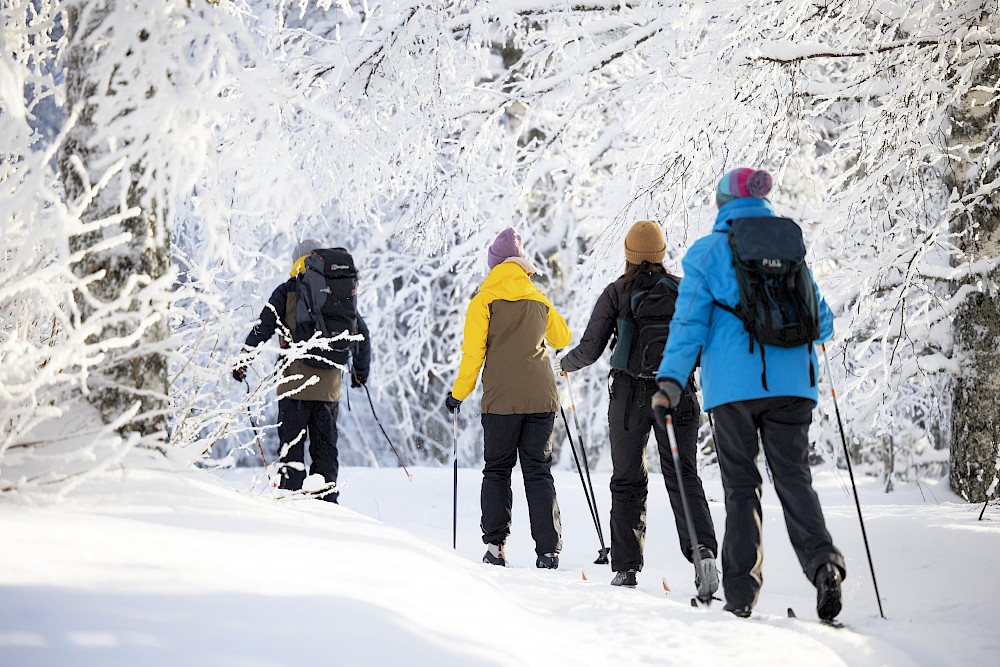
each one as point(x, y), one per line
point(123, 244)
point(413, 132)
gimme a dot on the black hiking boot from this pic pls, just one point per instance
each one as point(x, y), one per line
point(549, 561)
point(494, 555)
point(626, 578)
point(740, 610)
point(828, 602)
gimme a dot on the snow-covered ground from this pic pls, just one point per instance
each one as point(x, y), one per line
point(165, 567)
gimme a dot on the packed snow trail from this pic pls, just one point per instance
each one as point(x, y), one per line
point(180, 567)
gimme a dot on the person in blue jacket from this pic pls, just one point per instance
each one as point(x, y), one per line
point(744, 410)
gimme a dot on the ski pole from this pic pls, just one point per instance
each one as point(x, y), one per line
point(377, 421)
point(602, 554)
point(256, 438)
point(602, 557)
point(850, 472)
point(987, 503)
point(454, 493)
point(692, 536)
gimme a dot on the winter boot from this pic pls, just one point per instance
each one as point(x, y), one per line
point(317, 486)
point(707, 580)
point(742, 611)
point(549, 561)
point(626, 578)
point(290, 477)
point(494, 555)
point(828, 603)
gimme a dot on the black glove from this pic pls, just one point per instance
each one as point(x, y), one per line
point(452, 403)
point(240, 374)
point(665, 400)
point(357, 381)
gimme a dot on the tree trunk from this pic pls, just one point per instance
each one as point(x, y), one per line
point(975, 426)
point(137, 371)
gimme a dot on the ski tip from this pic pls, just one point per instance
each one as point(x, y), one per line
point(583, 574)
point(666, 586)
point(791, 613)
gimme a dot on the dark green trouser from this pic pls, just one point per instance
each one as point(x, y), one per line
point(507, 438)
point(783, 425)
point(630, 418)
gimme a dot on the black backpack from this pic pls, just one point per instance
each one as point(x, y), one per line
point(777, 300)
point(643, 333)
point(325, 304)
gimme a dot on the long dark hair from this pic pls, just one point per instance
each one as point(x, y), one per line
point(633, 271)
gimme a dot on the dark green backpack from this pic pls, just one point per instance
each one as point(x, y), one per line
point(643, 332)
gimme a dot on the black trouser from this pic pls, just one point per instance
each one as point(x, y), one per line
point(506, 437)
point(630, 417)
point(783, 425)
point(319, 418)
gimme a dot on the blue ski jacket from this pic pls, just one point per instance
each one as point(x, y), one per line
point(729, 372)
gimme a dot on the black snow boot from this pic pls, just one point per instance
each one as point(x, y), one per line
point(828, 602)
point(742, 611)
point(549, 561)
point(626, 578)
point(494, 555)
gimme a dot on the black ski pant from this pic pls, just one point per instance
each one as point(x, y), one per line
point(782, 423)
point(507, 438)
point(318, 419)
point(630, 418)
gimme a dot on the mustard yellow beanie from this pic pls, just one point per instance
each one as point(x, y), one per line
point(645, 242)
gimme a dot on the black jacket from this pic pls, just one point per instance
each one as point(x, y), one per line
point(279, 304)
point(614, 303)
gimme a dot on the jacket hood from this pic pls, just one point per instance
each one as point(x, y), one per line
point(509, 280)
point(744, 207)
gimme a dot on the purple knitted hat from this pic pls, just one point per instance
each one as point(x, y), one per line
point(743, 182)
point(507, 244)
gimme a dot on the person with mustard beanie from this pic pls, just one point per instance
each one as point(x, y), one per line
point(507, 326)
point(633, 313)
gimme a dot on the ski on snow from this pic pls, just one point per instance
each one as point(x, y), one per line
point(318, 494)
point(833, 623)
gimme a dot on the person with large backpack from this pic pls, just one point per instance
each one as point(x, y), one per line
point(750, 309)
point(507, 327)
point(317, 303)
point(633, 314)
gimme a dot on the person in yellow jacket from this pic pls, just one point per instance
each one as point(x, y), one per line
point(507, 326)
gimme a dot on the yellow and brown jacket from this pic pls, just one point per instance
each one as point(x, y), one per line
point(506, 327)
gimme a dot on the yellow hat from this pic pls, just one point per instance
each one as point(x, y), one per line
point(645, 242)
